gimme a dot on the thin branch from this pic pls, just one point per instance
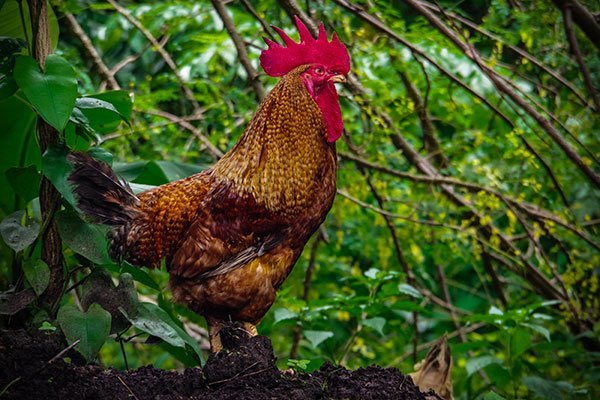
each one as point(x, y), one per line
point(91, 51)
point(432, 145)
point(532, 210)
point(182, 121)
point(568, 21)
point(241, 49)
point(489, 268)
point(189, 95)
point(583, 18)
point(306, 290)
point(516, 49)
point(502, 86)
point(379, 25)
point(262, 22)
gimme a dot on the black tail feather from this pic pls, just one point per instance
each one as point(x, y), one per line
point(100, 193)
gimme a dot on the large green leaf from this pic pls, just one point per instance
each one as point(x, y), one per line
point(376, 323)
point(57, 168)
point(83, 238)
point(91, 328)
point(19, 147)
point(25, 181)
point(52, 92)
point(104, 111)
point(282, 314)
point(548, 390)
point(317, 337)
point(477, 363)
point(152, 319)
point(37, 274)
point(17, 231)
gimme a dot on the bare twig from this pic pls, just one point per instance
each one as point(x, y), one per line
point(568, 22)
point(241, 49)
point(429, 136)
point(91, 51)
point(307, 283)
point(583, 18)
point(503, 87)
point(160, 49)
point(128, 388)
point(183, 122)
point(64, 351)
point(532, 210)
point(516, 49)
point(262, 22)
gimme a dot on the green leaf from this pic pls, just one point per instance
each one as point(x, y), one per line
point(492, 396)
point(548, 390)
point(282, 314)
point(477, 363)
point(139, 275)
point(85, 239)
point(19, 146)
point(25, 181)
point(91, 328)
point(539, 329)
point(520, 341)
point(16, 235)
point(8, 86)
point(376, 323)
point(409, 290)
point(37, 274)
point(317, 337)
point(155, 321)
point(105, 111)
point(57, 169)
point(161, 313)
point(53, 92)
point(101, 154)
point(10, 47)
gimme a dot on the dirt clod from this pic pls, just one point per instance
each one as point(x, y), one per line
point(244, 369)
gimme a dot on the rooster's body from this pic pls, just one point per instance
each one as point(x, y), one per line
point(230, 235)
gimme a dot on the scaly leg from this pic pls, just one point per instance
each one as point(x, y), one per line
point(250, 328)
point(214, 327)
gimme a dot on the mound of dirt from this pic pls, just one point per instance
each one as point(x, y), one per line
point(245, 369)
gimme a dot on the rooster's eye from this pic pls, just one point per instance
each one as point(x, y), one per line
point(319, 71)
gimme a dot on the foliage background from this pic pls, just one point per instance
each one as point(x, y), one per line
point(457, 213)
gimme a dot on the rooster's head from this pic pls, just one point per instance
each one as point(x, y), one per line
point(326, 62)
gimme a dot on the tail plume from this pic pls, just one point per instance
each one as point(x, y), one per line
point(100, 193)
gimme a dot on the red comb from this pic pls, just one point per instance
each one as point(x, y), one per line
point(278, 60)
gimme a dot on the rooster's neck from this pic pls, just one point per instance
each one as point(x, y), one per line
point(282, 155)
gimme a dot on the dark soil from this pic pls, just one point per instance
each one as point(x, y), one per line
point(244, 370)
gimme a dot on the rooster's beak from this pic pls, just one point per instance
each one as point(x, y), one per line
point(338, 79)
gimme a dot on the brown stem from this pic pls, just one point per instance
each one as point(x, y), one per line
point(49, 196)
point(489, 268)
point(583, 18)
point(568, 21)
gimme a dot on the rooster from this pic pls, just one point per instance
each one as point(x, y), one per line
point(231, 234)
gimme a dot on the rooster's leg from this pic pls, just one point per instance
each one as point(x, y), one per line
point(214, 327)
point(250, 328)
